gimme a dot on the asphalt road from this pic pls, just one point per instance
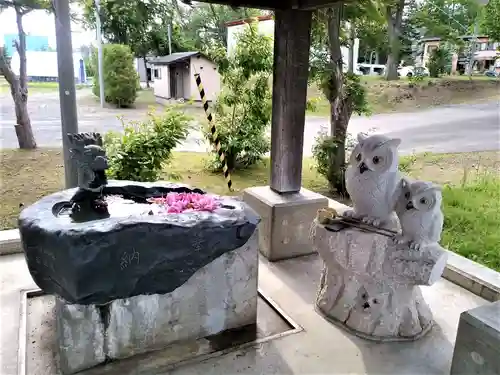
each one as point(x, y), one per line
point(453, 128)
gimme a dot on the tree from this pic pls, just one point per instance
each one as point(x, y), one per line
point(344, 91)
point(207, 23)
point(243, 107)
point(394, 16)
point(447, 19)
point(490, 22)
point(142, 25)
point(438, 61)
point(19, 84)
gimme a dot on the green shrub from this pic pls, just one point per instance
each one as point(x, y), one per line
point(121, 81)
point(243, 108)
point(438, 61)
point(140, 153)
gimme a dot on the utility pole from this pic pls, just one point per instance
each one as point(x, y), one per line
point(99, 51)
point(67, 94)
point(169, 29)
point(473, 49)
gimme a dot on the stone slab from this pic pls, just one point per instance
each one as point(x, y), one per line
point(127, 254)
point(285, 220)
point(477, 347)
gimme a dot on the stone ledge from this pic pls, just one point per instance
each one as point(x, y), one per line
point(10, 242)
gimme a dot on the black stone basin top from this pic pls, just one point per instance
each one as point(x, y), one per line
point(98, 261)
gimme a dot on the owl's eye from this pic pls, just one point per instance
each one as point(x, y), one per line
point(376, 160)
point(358, 157)
point(407, 195)
point(423, 200)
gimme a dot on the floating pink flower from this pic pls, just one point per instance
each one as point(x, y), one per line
point(185, 202)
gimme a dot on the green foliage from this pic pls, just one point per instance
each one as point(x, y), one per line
point(324, 147)
point(140, 153)
point(89, 67)
point(438, 61)
point(471, 220)
point(120, 77)
point(243, 108)
point(490, 20)
point(447, 19)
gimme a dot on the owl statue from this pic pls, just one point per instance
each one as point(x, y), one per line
point(373, 179)
point(419, 211)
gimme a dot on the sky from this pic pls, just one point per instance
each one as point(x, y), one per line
point(41, 23)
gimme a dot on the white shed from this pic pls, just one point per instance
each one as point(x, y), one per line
point(173, 76)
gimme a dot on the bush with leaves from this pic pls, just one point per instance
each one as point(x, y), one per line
point(121, 81)
point(140, 153)
point(330, 151)
point(242, 110)
point(438, 61)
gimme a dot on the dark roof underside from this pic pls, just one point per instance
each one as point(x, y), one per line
point(276, 4)
point(174, 57)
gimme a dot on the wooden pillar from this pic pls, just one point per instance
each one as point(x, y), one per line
point(292, 38)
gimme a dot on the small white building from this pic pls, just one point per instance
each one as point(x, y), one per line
point(173, 77)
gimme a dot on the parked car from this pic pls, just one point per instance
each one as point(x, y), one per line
point(410, 71)
point(492, 74)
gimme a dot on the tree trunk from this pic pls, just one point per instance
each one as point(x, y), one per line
point(340, 112)
point(146, 71)
point(352, 37)
point(19, 89)
point(394, 16)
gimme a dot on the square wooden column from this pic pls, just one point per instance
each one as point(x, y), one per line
point(292, 39)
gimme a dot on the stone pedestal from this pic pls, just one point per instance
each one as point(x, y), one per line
point(369, 285)
point(477, 347)
point(219, 296)
point(285, 220)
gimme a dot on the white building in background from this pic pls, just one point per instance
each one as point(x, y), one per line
point(42, 66)
point(266, 27)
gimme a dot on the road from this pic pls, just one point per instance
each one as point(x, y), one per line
point(453, 128)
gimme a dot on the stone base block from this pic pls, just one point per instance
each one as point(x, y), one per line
point(370, 286)
point(286, 220)
point(220, 296)
point(477, 347)
point(80, 332)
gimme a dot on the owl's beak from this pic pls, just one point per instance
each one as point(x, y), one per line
point(362, 168)
point(410, 206)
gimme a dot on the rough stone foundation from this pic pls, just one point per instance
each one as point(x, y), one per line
point(220, 296)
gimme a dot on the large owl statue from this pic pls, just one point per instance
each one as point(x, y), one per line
point(372, 179)
point(419, 211)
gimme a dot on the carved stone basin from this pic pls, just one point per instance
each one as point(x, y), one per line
point(131, 252)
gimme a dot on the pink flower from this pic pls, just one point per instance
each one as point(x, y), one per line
point(185, 202)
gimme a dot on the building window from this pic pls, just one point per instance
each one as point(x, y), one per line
point(157, 73)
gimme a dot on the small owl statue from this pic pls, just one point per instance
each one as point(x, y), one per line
point(419, 211)
point(373, 179)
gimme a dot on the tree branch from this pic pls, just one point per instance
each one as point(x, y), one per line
point(7, 71)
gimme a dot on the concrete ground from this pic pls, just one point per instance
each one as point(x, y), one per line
point(320, 348)
point(450, 128)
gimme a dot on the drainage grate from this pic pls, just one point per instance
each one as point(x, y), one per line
point(37, 354)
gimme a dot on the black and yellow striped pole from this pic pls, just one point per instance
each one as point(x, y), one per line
point(213, 130)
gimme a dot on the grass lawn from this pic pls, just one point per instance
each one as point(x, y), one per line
point(35, 87)
point(471, 202)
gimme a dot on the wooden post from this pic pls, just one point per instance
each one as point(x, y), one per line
point(292, 38)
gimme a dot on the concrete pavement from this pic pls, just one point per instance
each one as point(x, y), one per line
point(453, 128)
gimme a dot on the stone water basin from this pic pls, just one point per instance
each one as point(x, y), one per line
point(135, 251)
